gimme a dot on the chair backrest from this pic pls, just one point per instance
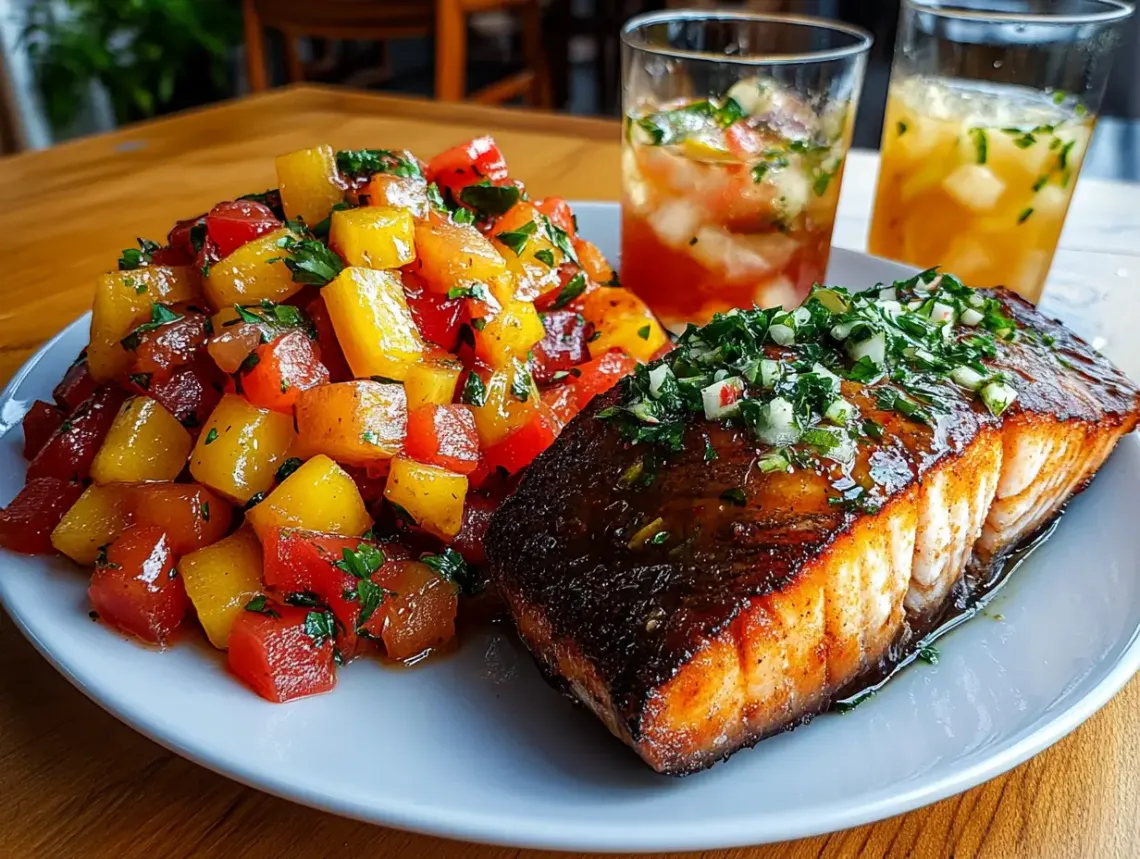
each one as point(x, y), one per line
point(345, 18)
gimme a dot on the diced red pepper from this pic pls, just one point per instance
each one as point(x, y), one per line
point(180, 242)
point(231, 225)
point(523, 444)
point(298, 561)
point(567, 273)
point(189, 393)
point(562, 401)
point(332, 356)
point(443, 436)
point(273, 654)
point(75, 386)
point(69, 452)
point(477, 513)
point(476, 160)
point(286, 366)
point(565, 345)
point(137, 590)
point(601, 374)
point(171, 345)
point(558, 210)
point(39, 423)
point(438, 317)
point(26, 524)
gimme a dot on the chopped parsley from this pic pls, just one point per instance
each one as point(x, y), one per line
point(488, 200)
point(205, 511)
point(929, 654)
point(133, 258)
point(211, 436)
point(361, 163)
point(288, 467)
point(449, 565)
point(981, 144)
point(478, 291)
point(260, 605)
point(310, 260)
point(522, 384)
point(516, 240)
point(573, 288)
point(320, 626)
point(474, 391)
point(266, 313)
point(545, 256)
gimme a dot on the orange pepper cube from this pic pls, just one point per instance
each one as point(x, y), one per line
point(253, 272)
point(352, 422)
point(123, 301)
point(96, 519)
point(190, 515)
point(452, 254)
point(309, 183)
point(220, 580)
point(622, 321)
point(373, 236)
point(521, 236)
point(145, 442)
point(318, 496)
point(372, 322)
point(431, 495)
point(240, 448)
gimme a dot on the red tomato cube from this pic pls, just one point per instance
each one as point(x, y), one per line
point(558, 210)
point(137, 589)
point(438, 317)
point(562, 400)
point(443, 436)
point(274, 654)
point(39, 423)
point(231, 225)
point(26, 524)
point(189, 393)
point(523, 444)
point(75, 386)
point(68, 454)
point(172, 344)
point(565, 345)
point(476, 160)
point(288, 365)
point(601, 374)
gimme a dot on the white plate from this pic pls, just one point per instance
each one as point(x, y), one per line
point(476, 746)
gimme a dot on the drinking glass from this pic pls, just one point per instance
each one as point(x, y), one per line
point(735, 134)
point(991, 107)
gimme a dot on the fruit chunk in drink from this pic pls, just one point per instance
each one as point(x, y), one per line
point(977, 179)
point(729, 202)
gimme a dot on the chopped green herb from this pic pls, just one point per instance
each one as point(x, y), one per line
point(288, 467)
point(901, 127)
point(573, 288)
point(311, 261)
point(254, 500)
point(141, 379)
point(320, 626)
point(545, 256)
point(449, 565)
point(474, 391)
point(516, 239)
point(361, 563)
point(402, 514)
point(643, 332)
point(133, 258)
point(385, 380)
point(1041, 182)
point(369, 437)
point(1024, 216)
point(211, 436)
point(321, 228)
point(260, 604)
point(304, 599)
point(477, 291)
point(929, 654)
point(981, 144)
point(489, 200)
point(522, 385)
point(710, 452)
point(658, 538)
point(205, 511)
point(359, 163)
point(160, 314)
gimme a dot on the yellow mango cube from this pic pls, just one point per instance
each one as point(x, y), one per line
point(622, 321)
point(247, 276)
point(145, 442)
point(372, 322)
point(452, 254)
point(373, 236)
point(354, 422)
point(433, 496)
point(309, 183)
point(432, 382)
point(220, 580)
point(240, 448)
point(509, 334)
point(401, 192)
point(532, 258)
point(123, 301)
point(502, 410)
point(319, 496)
point(97, 518)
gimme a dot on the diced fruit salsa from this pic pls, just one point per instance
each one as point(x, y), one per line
point(296, 416)
point(729, 202)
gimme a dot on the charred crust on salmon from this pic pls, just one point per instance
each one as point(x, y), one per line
point(714, 549)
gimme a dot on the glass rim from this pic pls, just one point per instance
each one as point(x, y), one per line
point(862, 43)
point(1112, 10)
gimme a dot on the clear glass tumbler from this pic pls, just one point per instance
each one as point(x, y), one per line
point(991, 107)
point(736, 130)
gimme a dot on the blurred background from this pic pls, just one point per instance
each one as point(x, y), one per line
point(74, 67)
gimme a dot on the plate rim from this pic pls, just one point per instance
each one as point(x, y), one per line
point(626, 836)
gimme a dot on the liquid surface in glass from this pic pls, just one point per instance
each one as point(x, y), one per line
point(729, 202)
point(977, 178)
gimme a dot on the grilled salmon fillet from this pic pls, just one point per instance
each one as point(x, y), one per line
point(701, 595)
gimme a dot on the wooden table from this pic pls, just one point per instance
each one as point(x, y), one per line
point(74, 782)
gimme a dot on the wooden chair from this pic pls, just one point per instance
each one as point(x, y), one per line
point(381, 20)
